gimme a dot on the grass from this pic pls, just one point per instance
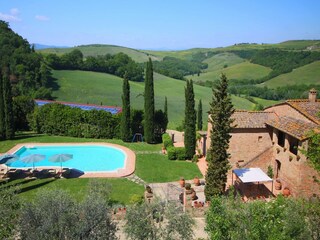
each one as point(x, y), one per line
point(217, 62)
point(100, 49)
point(265, 102)
point(104, 88)
point(121, 189)
point(308, 74)
point(243, 70)
point(151, 166)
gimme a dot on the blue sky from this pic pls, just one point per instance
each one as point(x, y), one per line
point(162, 24)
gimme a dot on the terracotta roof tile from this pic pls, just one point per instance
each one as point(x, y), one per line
point(252, 119)
point(307, 108)
point(296, 128)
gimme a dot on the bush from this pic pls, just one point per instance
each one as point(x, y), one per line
point(176, 153)
point(167, 141)
point(172, 155)
point(181, 153)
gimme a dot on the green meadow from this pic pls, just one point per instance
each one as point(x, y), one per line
point(97, 88)
point(243, 70)
point(308, 74)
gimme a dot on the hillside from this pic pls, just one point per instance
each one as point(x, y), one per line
point(308, 74)
point(104, 88)
point(99, 49)
point(243, 70)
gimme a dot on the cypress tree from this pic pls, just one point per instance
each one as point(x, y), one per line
point(221, 110)
point(199, 118)
point(125, 117)
point(190, 121)
point(166, 112)
point(8, 106)
point(149, 104)
point(2, 124)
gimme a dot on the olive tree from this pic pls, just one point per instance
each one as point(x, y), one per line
point(157, 220)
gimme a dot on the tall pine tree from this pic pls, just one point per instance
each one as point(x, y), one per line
point(199, 118)
point(221, 110)
point(190, 121)
point(8, 105)
point(149, 104)
point(2, 123)
point(125, 130)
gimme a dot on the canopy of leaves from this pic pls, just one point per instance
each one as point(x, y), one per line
point(178, 68)
point(118, 64)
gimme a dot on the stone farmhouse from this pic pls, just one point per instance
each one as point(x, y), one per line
point(274, 137)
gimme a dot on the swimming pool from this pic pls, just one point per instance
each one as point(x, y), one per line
point(86, 158)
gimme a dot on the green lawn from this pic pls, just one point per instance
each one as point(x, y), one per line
point(96, 88)
point(151, 166)
point(308, 74)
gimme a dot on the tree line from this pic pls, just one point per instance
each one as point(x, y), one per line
point(118, 64)
point(280, 61)
point(178, 68)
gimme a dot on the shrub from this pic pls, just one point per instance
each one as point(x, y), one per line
point(167, 141)
point(172, 155)
point(181, 153)
point(176, 153)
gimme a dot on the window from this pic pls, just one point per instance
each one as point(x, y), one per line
point(293, 145)
point(281, 137)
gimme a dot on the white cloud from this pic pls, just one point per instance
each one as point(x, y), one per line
point(42, 18)
point(14, 11)
point(12, 16)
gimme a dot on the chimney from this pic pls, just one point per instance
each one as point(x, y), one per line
point(312, 95)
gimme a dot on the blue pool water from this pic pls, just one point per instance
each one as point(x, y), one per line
point(88, 158)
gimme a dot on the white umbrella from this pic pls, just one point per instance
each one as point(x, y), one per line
point(33, 158)
point(63, 157)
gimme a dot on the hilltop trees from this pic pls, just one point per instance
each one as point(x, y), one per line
point(118, 64)
point(149, 104)
point(125, 117)
point(220, 112)
point(190, 121)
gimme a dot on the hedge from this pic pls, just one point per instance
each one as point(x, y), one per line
point(167, 141)
point(176, 153)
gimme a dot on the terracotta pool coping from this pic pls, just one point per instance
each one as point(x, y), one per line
point(130, 161)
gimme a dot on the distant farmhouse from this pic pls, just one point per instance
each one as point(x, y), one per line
point(274, 137)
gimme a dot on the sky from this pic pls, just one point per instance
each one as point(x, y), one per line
point(162, 24)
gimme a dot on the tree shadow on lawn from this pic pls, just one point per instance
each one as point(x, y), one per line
point(53, 84)
point(23, 135)
point(25, 189)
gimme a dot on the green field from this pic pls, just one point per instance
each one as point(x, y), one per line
point(98, 49)
point(96, 88)
point(265, 102)
point(243, 70)
point(218, 61)
point(308, 74)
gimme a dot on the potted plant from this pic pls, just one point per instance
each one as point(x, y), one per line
point(182, 182)
point(286, 192)
point(196, 181)
point(277, 184)
point(290, 158)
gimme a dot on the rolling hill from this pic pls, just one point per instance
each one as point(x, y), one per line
point(97, 88)
point(308, 74)
point(243, 70)
point(99, 49)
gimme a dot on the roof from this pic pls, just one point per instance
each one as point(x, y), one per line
point(247, 175)
point(111, 109)
point(307, 108)
point(294, 127)
point(252, 119)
